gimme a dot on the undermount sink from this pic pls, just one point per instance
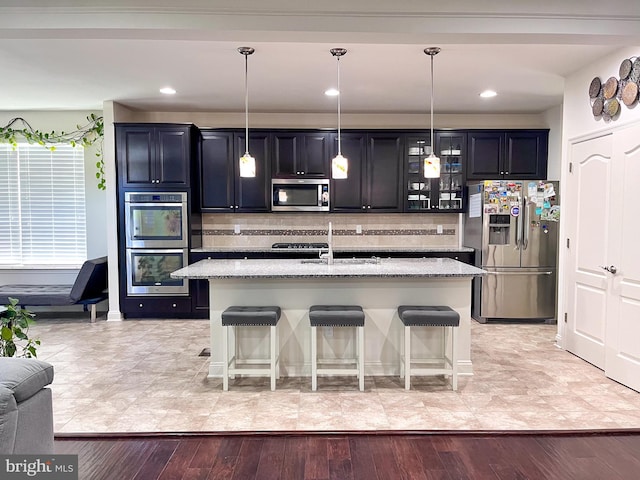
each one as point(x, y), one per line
point(343, 261)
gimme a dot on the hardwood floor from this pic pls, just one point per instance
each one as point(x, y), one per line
point(367, 456)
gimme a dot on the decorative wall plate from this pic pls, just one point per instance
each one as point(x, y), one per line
point(635, 70)
point(625, 68)
point(630, 93)
point(597, 107)
point(611, 107)
point(610, 87)
point(595, 87)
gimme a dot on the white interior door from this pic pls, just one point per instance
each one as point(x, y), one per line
point(587, 207)
point(622, 362)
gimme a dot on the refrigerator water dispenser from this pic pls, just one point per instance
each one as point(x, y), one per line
point(499, 226)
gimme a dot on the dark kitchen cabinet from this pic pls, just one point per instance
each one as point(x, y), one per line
point(298, 154)
point(510, 154)
point(221, 187)
point(156, 307)
point(435, 194)
point(153, 154)
point(374, 182)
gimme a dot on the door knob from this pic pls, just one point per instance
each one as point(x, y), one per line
point(611, 269)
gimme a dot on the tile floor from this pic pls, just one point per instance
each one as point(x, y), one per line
point(147, 376)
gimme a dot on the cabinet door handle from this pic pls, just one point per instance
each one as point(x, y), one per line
point(506, 173)
point(364, 207)
point(141, 305)
point(174, 305)
point(368, 206)
point(501, 173)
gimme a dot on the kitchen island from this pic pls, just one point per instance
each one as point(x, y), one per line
point(378, 285)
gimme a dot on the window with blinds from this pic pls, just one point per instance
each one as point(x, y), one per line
point(42, 205)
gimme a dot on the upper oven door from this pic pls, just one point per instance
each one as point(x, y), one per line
point(295, 195)
point(156, 221)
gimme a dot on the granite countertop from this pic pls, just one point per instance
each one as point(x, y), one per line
point(336, 249)
point(342, 268)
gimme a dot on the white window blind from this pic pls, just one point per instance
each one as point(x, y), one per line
point(42, 205)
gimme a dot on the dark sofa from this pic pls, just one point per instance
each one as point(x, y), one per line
point(89, 288)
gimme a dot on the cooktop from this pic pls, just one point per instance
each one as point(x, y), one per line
point(301, 245)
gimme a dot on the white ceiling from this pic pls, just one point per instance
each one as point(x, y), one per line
point(50, 64)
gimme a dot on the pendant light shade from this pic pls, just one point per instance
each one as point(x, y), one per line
point(247, 162)
point(432, 162)
point(339, 164)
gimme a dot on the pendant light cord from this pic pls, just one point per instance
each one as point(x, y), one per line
point(432, 145)
point(246, 103)
point(339, 95)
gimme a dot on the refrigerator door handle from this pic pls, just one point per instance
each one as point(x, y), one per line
point(520, 273)
point(518, 233)
point(525, 224)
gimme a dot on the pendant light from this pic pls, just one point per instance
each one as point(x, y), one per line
point(432, 162)
point(247, 162)
point(339, 164)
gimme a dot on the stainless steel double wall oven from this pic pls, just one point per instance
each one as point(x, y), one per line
point(157, 241)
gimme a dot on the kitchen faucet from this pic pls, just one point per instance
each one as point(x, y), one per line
point(329, 254)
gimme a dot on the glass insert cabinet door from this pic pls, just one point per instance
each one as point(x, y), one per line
point(418, 187)
point(450, 149)
point(446, 192)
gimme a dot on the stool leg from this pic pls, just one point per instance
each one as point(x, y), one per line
point(361, 358)
point(225, 358)
point(277, 355)
point(407, 358)
point(93, 312)
point(314, 359)
point(272, 358)
point(454, 357)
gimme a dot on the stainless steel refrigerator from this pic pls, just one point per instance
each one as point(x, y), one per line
point(513, 227)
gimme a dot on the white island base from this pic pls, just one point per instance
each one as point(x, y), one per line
point(379, 297)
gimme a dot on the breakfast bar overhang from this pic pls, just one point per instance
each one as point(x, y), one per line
point(378, 285)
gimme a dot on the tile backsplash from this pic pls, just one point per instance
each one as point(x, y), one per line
point(349, 230)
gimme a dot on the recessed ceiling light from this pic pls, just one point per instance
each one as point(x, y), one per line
point(168, 91)
point(332, 92)
point(488, 94)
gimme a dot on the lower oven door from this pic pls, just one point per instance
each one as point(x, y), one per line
point(149, 271)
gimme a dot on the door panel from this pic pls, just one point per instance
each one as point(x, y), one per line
point(623, 315)
point(500, 247)
point(540, 238)
point(518, 293)
point(589, 193)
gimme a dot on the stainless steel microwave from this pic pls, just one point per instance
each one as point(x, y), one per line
point(299, 195)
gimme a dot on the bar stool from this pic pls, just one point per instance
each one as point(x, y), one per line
point(430, 316)
point(235, 317)
point(337, 316)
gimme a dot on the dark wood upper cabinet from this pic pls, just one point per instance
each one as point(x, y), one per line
point(374, 181)
point(443, 194)
point(512, 154)
point(347, 194)
point(154, 154)
point(217, 174)
point(221, 187)
point(300, 154)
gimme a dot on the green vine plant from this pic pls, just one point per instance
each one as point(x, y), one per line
point(86, 135)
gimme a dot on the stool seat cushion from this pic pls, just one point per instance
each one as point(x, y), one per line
point(428, 316)
point(336, 316)
point(251, 316)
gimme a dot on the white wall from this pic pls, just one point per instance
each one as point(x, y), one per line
point(96, 199)
point(328, 120)
point(578, 123)
point(553, 121)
